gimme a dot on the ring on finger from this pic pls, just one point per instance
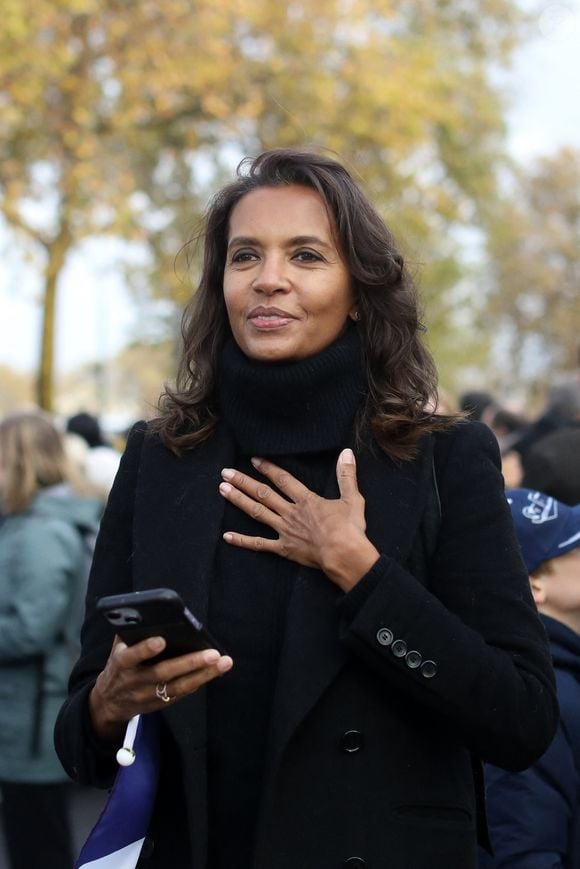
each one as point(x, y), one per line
point(161, 692)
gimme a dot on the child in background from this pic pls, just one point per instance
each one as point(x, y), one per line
point(534, 815)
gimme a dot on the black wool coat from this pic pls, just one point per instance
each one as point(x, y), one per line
point(387, 698)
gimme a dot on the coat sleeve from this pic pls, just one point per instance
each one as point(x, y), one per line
point(111, 573)
point(468, 645)
point(48, 552)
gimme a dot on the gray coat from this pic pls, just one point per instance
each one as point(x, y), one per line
point(43, 564)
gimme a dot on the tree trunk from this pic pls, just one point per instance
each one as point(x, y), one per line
point(56, 253)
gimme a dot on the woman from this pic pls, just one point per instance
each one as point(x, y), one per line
point(377, 650)
point(42, 583)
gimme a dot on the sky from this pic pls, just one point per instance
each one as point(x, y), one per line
point(96, 315)
point(545, 83)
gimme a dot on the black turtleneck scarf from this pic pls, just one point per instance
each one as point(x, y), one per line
point(299, 414)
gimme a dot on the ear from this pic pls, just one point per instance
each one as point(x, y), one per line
point(539, 589)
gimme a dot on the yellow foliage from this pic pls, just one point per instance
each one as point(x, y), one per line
point(103, 91)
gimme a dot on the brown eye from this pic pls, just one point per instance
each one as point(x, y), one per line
point(307, 256)
point(243, 256)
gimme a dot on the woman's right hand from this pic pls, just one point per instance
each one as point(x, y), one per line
point(128, 685)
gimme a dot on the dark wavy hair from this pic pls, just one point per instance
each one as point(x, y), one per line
point(402, 380)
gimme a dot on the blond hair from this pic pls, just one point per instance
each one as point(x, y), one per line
point(32, 457)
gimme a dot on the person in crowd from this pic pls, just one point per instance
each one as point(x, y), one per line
point(553, 464)
point(43, 567)
point(101, 460)
point(350, 550)
point(562, 410)
point(475, 403)
point(534, 814)
point(507, 426)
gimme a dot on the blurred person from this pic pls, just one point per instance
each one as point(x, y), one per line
point(76, 451)
point(553, 465)
point(511, 469)
point(507, 426)
point(101, 461)
point(42, 583)
point(562, 408)
point(379, 647)
point(534, 815)
point(475, 403)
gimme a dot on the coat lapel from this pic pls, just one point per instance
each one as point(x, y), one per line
point(179, 529)
point(182, 520)
point(395, 496)
point(312, 654)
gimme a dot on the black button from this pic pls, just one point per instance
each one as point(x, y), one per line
point(399, 648)
point(351, 741)
point(385, 636)
point(355, 861)
point(413, 659)
point(428, 669)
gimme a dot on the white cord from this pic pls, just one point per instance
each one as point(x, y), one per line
point(126, 755)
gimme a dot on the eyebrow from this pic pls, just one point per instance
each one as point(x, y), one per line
point(292, 242)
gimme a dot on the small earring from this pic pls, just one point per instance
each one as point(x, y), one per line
point(356, 316)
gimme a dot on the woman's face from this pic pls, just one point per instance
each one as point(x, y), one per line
point(287, 289)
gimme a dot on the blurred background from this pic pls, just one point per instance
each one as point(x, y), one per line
point(118, 118)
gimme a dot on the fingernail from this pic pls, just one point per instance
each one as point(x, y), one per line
point(228, 473)
point(256, 462)
point(156, 644)
point(225, 664)
point(225, 488)
point(211, 656)
point(228, 536)
point(348, 456)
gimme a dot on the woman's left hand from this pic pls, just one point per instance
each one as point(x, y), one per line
point(313, 531)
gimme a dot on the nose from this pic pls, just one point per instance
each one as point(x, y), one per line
point(272, 276)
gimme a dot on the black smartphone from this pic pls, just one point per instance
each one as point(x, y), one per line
point(158, 612)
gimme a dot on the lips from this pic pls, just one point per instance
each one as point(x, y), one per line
point(265, 318)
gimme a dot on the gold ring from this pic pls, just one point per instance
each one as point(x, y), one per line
point(161, 692)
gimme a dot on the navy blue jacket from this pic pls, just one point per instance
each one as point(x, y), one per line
point(534, 815)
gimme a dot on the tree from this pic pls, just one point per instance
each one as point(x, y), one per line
point(534, 267)
point(88, 91)
point(117, 115)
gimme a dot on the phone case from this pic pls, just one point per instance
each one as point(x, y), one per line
point(156, 613)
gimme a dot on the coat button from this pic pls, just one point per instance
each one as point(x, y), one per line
point(413, 659)
point(353, 862)
point(351, 741)
point(428, 669)
point(385, 637)
point(399, 648)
